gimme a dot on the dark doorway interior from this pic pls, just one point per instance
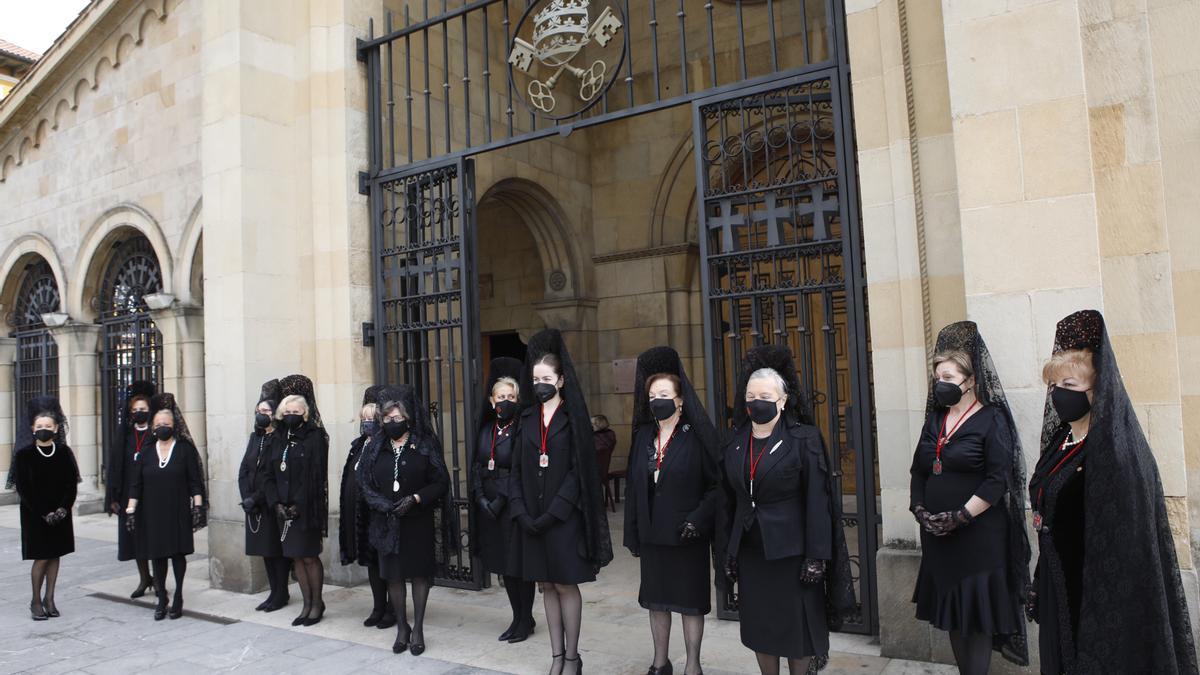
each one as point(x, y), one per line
point(496, 345)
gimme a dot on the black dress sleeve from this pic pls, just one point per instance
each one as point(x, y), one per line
point(437, 480)
point(270, 488)
point(135, 481)
point(23, 476)
point(916, 484)
point(115, 475)
point(66, 475)
point(704, 515)
point(516, 491)
point(246, 470)
point(818, 515)
point(632, 541)
point(195, 477)
point(997, 457)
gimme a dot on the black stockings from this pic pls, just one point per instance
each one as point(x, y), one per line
point(310, 573)
point(972, 652)
point(693, 634)
point(277, 579)
point(520, 598)
point(44, 571)
point(768, 664)
point(379, 591)
point(420, 592)
point(179, 566)
point(564, 618)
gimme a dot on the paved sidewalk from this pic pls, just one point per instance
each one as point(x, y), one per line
point(102, 631)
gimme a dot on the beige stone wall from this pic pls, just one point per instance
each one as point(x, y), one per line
point(103, 141)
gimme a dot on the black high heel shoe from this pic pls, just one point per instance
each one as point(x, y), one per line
point(508, 632)
point(38, 614)
point(386, 621)
point(299, 621)
point(176, 606)
point(50, 608)
point(578, 658)
point(373, 618)
point(401, 646)
point(160, 610)
point(142, 587)
point(522, 632)
point(314, 620)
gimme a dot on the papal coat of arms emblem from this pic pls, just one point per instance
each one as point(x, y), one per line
point(561, 32)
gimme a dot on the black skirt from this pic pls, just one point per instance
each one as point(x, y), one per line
point(127, 542)
point(406, 565)
point(262, 535)
point(40, 541)
point(780, 616)
point(301, 543)
point(676, 579)
point(555, 556)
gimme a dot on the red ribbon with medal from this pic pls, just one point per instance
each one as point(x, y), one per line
point(543, 458)
point(944, 437)
point(138, 440)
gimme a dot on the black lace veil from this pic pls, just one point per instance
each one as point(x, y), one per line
point(964, 337)
point(1133, 614)
point(595, 519)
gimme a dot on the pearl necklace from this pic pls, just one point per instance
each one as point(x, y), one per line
point(1068, 443)
point(53, 448)
point(162, 463)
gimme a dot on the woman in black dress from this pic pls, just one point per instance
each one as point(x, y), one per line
point(354, 544)
point(490, 491)
point(132, 437)
point(404, 480)
point(785, 547)
point(298, 491)
point(45, 476)
point(262, 532)
point(562, 536)
point(967, 493)
point(1107, 592)
point(167, 496)
point(670, 503)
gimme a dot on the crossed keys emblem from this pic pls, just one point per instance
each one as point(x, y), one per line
point(561, 31)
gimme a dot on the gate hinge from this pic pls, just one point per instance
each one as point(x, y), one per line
point(364, 183)
point(360, 53)
point(368, 334)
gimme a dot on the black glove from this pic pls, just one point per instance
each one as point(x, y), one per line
point(404, 506)
point(485, 506)
point(543, 522)
point(688, 532)
point(813, 573)
point(292, 512)
point(922, 515)
point(496, 506)
point(1031, 606)
point(248, 504)
point(731, 568)
point(198, 519)
point(281, 512)
point(527, 524)
point(55, 517)
point(130, 523)
point(946, 522)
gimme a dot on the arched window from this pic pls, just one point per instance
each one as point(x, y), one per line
point(131, 346)
point(36, 371)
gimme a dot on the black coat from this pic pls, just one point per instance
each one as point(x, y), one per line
point(791, 493)
point(305, 484)
point(121, 458)
point(418, 474)
point(492, 535)
point(555, 489)
point(44, 485)
point(165, 498)
point(352, 515)
point(262, 530)
point(686, 491)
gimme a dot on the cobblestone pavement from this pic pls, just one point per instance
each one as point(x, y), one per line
point(102, 631)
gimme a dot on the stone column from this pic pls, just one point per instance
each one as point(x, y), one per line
point(78, 385)
point(182, 331)
point(8, 354)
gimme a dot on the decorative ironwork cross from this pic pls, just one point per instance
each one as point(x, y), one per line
point(725, 220)
point(774, 216)
point(441, 270)
point(818, 207)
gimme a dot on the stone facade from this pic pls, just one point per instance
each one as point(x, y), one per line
point(1016, 161)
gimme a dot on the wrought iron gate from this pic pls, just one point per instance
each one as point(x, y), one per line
point(424, 232)
point(36, 368)
point(782, 264)
point(131, 346)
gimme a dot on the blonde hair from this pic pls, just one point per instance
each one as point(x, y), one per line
point(294, 398)
point(506, 380)
point(368, 411)
point(1068, 362)
point(959, 358)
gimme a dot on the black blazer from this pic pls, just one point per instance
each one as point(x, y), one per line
point(686, 490)
point(293, 487)
point(121, 463)
point(555, 489)
point(493, 484)
point(793, 507)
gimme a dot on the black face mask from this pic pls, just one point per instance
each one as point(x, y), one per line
point(293, 421)
point(946, 393)
point(163, 433)
point(544, 392)
point(262, 420)
point(368, 427)
point(762, 412)
point(505, 410)
point(662, 408)
point(1070, 404)
point(140, 416)
point(44, 435)
point(396, 430)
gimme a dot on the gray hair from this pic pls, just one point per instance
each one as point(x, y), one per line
point(772, 375)
point(388, 406)
point(288, 400)
point(505, 380)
